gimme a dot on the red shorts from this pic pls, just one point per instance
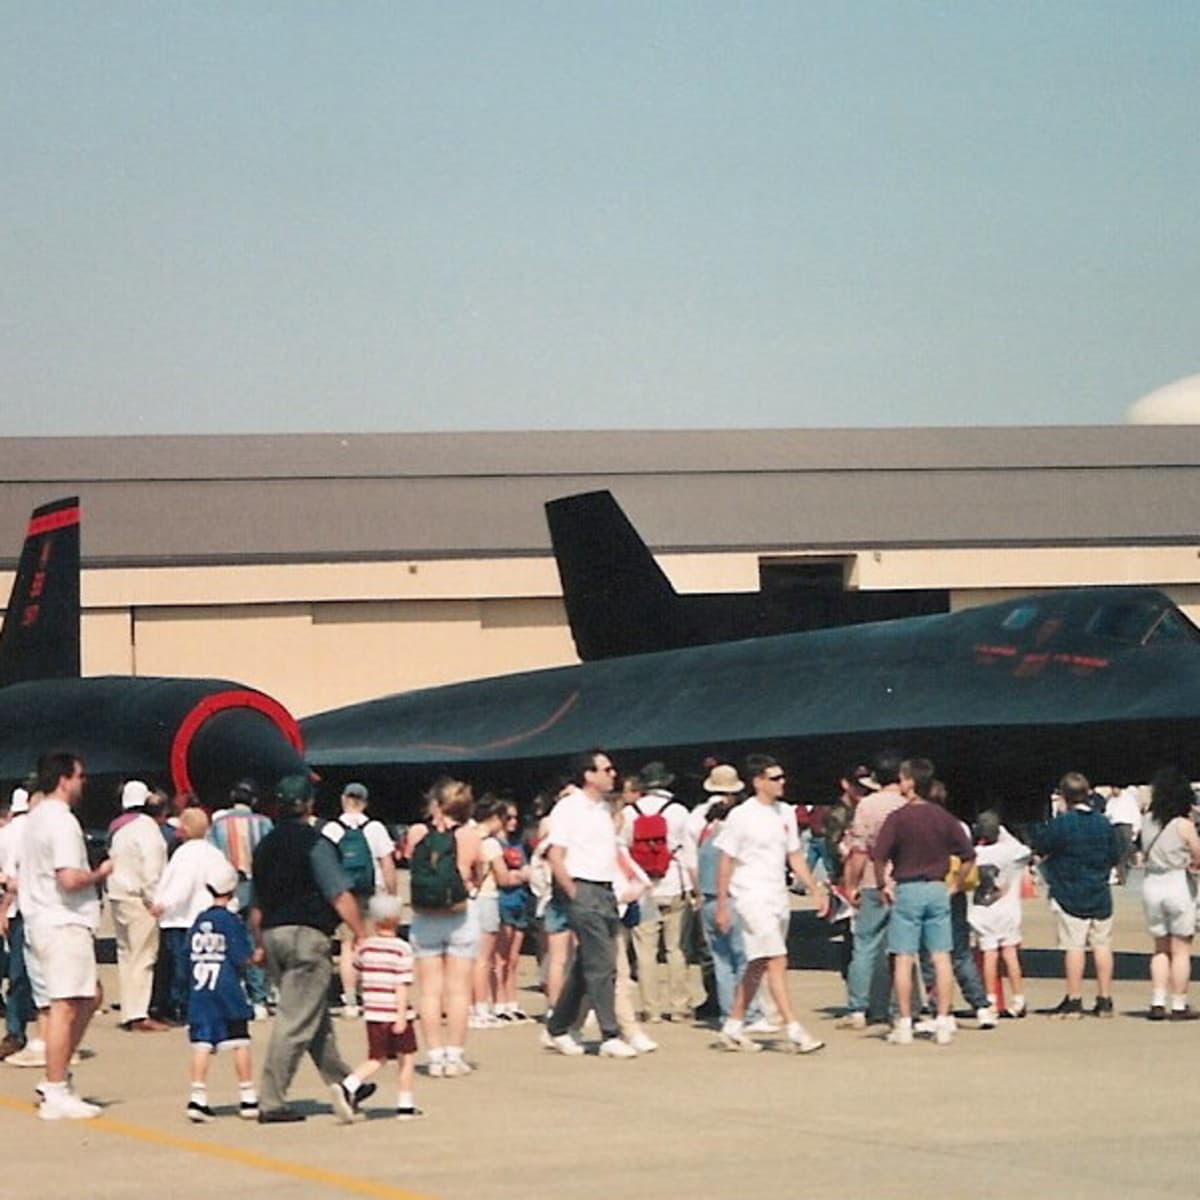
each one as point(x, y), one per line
point(383, 1044)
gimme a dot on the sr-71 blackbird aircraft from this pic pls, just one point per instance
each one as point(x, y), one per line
point(1004, 698)
point(200, 734)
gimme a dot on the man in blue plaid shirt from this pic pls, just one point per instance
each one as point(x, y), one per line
point(1080, 849)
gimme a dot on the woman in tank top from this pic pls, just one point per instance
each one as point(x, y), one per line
point(1172, 853)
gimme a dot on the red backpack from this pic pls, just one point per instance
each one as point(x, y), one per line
point(649, 848)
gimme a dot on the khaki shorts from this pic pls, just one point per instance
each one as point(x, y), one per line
point(66, 955)
point(1082, 933)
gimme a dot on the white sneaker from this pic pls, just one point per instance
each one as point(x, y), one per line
point(851, 1020)
point(986, 1017)
point(642, 1043)
point(944, 1034)
point(32, 1054)
point(66, 1106)
point(351, 1011)
point(437, 1068)
point(564, 1043)
point(617, 1048)
point(738, 1042)
point(901, 1035)
point(926, 1025)
point(455, 1067)
point(805, 1043)
point(764, 1025)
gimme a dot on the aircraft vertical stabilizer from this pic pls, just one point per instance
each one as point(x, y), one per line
point(40, 636)
point(618, 600)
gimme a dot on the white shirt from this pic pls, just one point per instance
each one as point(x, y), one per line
point(759, 837)
point(379, 841)
point(53, 840)
point(676, 816)
point(182, 891)
point(12, 841)
point(1123, 809)
point(139, 857)
point(584, 829)
point(693, 827)
point(1009, 856)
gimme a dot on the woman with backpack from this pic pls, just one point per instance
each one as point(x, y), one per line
point(445, 928)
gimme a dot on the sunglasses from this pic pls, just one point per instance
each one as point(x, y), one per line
point(776, 778)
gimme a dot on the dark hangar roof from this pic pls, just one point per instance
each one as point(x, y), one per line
point(321, 497)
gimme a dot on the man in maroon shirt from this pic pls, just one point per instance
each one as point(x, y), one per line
point(918, 840)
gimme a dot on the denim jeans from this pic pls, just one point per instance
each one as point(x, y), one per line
point(729, 959)
point(867, 978)
point(966, 973)
point(257, 988)
point(20, 996)
point(175, 944)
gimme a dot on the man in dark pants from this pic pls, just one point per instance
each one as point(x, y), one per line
point(583, 861)
point(300, 893)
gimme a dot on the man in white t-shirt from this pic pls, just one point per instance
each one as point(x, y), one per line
point(758, 841)
point(583, 861)
point(62, 911)
point(381, 848)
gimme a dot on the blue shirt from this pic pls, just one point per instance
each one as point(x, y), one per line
point(1080, 848)
point(220, 948)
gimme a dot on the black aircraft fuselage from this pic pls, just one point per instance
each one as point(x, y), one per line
point(1004, 698)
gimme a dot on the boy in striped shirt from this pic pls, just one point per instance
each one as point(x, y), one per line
point(385, 962)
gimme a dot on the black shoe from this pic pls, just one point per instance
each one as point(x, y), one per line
point(1103, 1007)
point(345, 1103)
point(248, 1110)
point(1184, 1014)
point(1158, 1012)
point(1068, 1009)
point(279, 1116)
point(409, 1114)
point(198, 1112)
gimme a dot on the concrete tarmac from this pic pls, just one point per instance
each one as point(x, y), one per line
point(1087, 1109)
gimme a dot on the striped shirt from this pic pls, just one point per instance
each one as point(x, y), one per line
point(236, 832)
point(386, 963)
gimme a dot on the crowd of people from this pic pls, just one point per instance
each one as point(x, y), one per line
point(644, 910)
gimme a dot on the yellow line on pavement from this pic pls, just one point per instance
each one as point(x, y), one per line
point(352, 1185)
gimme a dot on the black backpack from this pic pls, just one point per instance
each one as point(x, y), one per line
point(435, 881)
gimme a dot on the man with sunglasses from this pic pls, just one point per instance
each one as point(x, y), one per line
point(757, 842)
point(583, 861)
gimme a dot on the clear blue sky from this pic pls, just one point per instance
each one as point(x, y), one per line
point(291, 216)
